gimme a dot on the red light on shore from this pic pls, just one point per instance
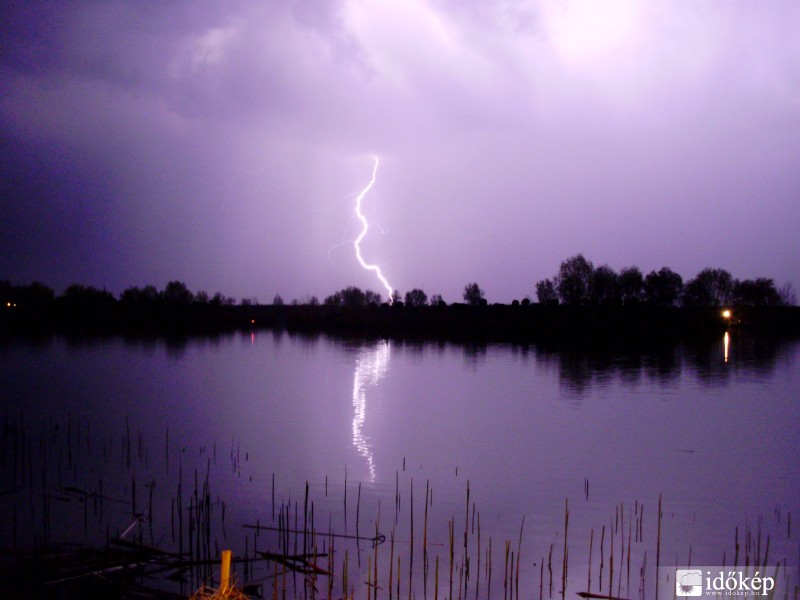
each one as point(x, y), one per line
point(252, 321)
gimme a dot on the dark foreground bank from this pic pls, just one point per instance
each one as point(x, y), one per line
point(457, 322)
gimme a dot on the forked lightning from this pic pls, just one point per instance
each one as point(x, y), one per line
point(364, 229)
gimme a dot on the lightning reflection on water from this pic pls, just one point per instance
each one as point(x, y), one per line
point(372, 363)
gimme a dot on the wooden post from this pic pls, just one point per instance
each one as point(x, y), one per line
point(225, 571)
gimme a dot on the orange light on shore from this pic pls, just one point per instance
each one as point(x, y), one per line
point(726, 314)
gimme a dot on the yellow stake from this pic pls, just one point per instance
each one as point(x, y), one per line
point(225, 571)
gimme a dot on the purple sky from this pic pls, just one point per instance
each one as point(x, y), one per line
point(224, 143)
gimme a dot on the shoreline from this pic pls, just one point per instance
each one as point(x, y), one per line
point(610, 326)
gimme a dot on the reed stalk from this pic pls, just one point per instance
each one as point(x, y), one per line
point(478, 570)
point(450, 527)
point(611, 561)
point(658, 543)
point(565, 558)
point(519, 556)
point(411, 548)
point(391, 562)
point(436, 580)
point(489, 570)
point(628, 566)
point(425, 544)
point(465, 569)
point(591, 542)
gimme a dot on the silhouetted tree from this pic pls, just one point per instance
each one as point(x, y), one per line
point(711, 287)
point(81, 296)
point(604, 286)
point(437, 300)
point(177, 293)
point(631, 285)
point(350, 296)
point(473, 294)
point(34, 296)
point(130, 295)
point(761, 292)
point(574, 279)
point(416, 297)
point(372, 298)
point(306, 301)
point(8, 294)
point(201, 297)
point(787, 294)
point(396, 297)
point(38, 295)
point(546, 292)
point(135, 295)
point(221, 299)
point(277, 300)
point(663, 288)
point(334, 299)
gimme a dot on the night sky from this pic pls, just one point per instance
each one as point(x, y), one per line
point(223, 144)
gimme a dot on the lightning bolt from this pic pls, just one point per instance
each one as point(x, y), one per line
point(364, 229)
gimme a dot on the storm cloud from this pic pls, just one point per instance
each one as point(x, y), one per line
point(223, 144)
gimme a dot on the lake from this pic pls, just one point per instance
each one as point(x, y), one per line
point(500, 459)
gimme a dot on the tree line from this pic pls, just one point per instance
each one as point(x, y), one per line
point(39, 296)
point(577, 282)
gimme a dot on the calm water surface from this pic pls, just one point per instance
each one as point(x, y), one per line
point(713, 430)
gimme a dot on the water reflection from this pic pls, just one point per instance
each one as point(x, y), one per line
point(726, 341)
point(475, 354)
point(372, 362)
point(734, 356)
